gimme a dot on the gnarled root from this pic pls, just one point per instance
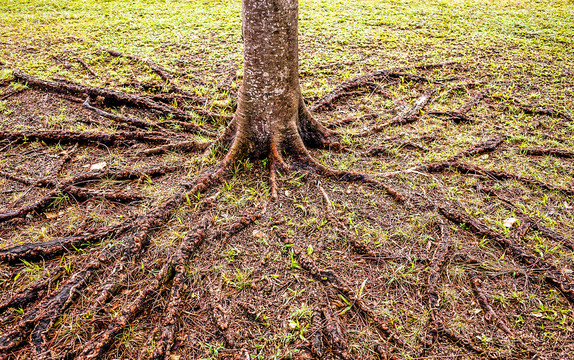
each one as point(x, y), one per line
point(406, 118)
point(553, 275)
point(113, 96)
point(329, 278)
point(459, 115)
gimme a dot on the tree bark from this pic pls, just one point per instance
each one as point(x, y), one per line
point(271, 115)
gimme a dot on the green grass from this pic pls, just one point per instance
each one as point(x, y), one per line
point(520, 50)
point(513, 39)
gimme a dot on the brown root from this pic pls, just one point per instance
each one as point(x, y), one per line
point(78, 193)
point(385, 150)
point(86, 138)
point(533, 110)
point(459, 116)
point(189, 146)
point(482, 147)
point(406, 118)
point(436, 267)
point(67, 156)
point(41, 318)
point(490, 315)
point(163, 73)
point(554, 152)
point(334, 335)
point(189, 245)
point(347, 176)
point(533, 224)
point(85, 66)
point(459, 340)
point(50, 249)
point(329, 278)
point(164, 344)
point(113, 97)
point(144, 124)
point(496, 175)
point(553, 276)
point(359, 81)
point(93, 176)
point(32, 293)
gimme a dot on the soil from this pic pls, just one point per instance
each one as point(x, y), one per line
point(117, 244)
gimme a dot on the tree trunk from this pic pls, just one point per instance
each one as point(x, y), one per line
point(271, 116)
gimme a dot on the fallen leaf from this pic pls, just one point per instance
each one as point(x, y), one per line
point(259, 234)
point(51, 215)
point(98, 166)
point(509, 222)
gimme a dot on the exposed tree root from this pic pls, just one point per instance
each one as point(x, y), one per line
point(96, 347)
point(305, 158)
point(145, 124)
point(437, 264)
point(50, 249)
point(328, 277)
point(113, 96)
point(406, 118)
point(496, 175)
point(186, 249)
point(67, 156)
point(32, 293)
point(78, 193)
point(532, 110)
point(459, 115)
point(435, 269)
point(489, 314)
point(359, 81)
point(460, 340)
point(86, 138)
point(189, 146)
point(41, 318)
point(347, 121)
point(482, 147)
point(88, 69)
point(163, 73)
point(385, 150)
point(553, 276)
point(189, 245)
point(554, 152)
point(11, 93)
point(222, 321)
point(180, 97)
point(334, 335)
point(534, 225)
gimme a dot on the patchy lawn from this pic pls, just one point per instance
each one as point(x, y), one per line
point(476, 263)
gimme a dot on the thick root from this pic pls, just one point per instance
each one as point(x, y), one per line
point(32, 293)
point(86, 138)
point(483, 147)
point(459, 116)
point(496, 175)
point(145, 124)
point(329, 278)
point(113, 96)
point(533, 224)
point(406, 118)
point(359, 81)
point(553, 276)
point(46, 250)
point(554, 152)
point(334, 335)
point(189, 146)
point(163, 73)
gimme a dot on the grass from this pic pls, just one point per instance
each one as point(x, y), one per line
point(520, 50)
